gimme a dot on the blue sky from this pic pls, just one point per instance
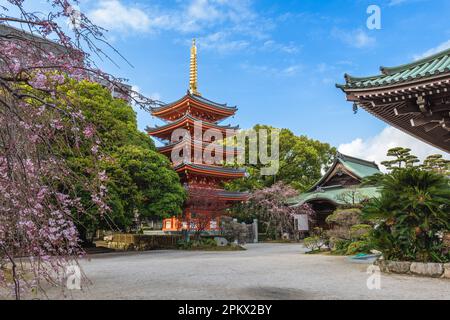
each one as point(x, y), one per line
point(277, 60)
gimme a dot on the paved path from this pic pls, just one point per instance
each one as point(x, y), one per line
point(264, 271)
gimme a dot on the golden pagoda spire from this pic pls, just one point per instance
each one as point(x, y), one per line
point(193, 80)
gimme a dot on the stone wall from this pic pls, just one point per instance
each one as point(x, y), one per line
point(433, 270)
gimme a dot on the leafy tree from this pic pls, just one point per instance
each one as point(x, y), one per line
point(268, 205)
point(141, 182)
point(36, 123)
point(146, 182)
point(301, 162)
point(437, 163)
point(403, 158)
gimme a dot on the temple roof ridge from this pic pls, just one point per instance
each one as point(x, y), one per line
point(433, 65)
point(358, 167)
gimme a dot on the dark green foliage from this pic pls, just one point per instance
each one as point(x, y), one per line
point(141, 182)
point(349, 232)
point(411, 215)
point(437, 163)
point(361, 246)
point(301, 162)
point(403, 158)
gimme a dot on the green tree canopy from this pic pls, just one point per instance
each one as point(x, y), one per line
point(403, 158)
point(301, 162)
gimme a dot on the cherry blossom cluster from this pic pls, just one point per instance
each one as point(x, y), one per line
point(39, 125)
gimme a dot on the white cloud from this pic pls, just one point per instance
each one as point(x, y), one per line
point(113, 15)
point(224, 25)
point(222, 42)
point(291, 70)
point(203, 10)
point(354, 38)
point(375, 148)
point(393, 3)
point(441, 47)
point(271, 45)
point(287, 71)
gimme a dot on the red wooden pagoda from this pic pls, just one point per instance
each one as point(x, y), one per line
point(207, 200)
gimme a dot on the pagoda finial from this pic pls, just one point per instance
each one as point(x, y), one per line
point(193, 80)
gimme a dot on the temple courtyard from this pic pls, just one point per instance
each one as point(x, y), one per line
point(264, 271)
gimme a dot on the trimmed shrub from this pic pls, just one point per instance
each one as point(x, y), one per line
point(358, 247)
point(360, 231)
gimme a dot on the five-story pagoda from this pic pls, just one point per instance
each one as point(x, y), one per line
point(191, 138)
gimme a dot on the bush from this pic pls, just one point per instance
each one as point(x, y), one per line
point(411, 214)
point(360, 231)
point(348, 232)
point(339, 246)
point(209, 242)
point(184, 245)
point(342, 220)
point(317, 241)
point(359, 247)
point(197, 244)
point(345, 217)
point(314, 243)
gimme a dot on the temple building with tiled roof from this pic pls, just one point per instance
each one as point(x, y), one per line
point(414, 98)
point(340, 185)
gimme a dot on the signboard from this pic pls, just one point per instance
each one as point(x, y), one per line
point(302, 222)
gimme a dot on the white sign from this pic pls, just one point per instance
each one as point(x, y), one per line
point(302, 222)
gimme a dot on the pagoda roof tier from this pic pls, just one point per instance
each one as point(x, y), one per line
point(198, 145)
point(234, 196)
point(209, 170)
point(414, 98)
point(195, 104)
point(187, 122)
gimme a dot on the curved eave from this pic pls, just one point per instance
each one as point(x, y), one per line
point(434, 66)
point(318, 197)
point(210, 170)
point(393, 70)
point(333, 195)
point(168, 148)
point(410, 82)
point(234, 196)
point(187, 119)
point(202, 103)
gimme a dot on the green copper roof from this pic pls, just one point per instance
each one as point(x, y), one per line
point(337, 195)
point(359, 167)
point(428, 67)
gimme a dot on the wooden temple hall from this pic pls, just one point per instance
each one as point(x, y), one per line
point(414, 98)
point(207, 200)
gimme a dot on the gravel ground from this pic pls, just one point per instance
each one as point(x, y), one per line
point(264, 271)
